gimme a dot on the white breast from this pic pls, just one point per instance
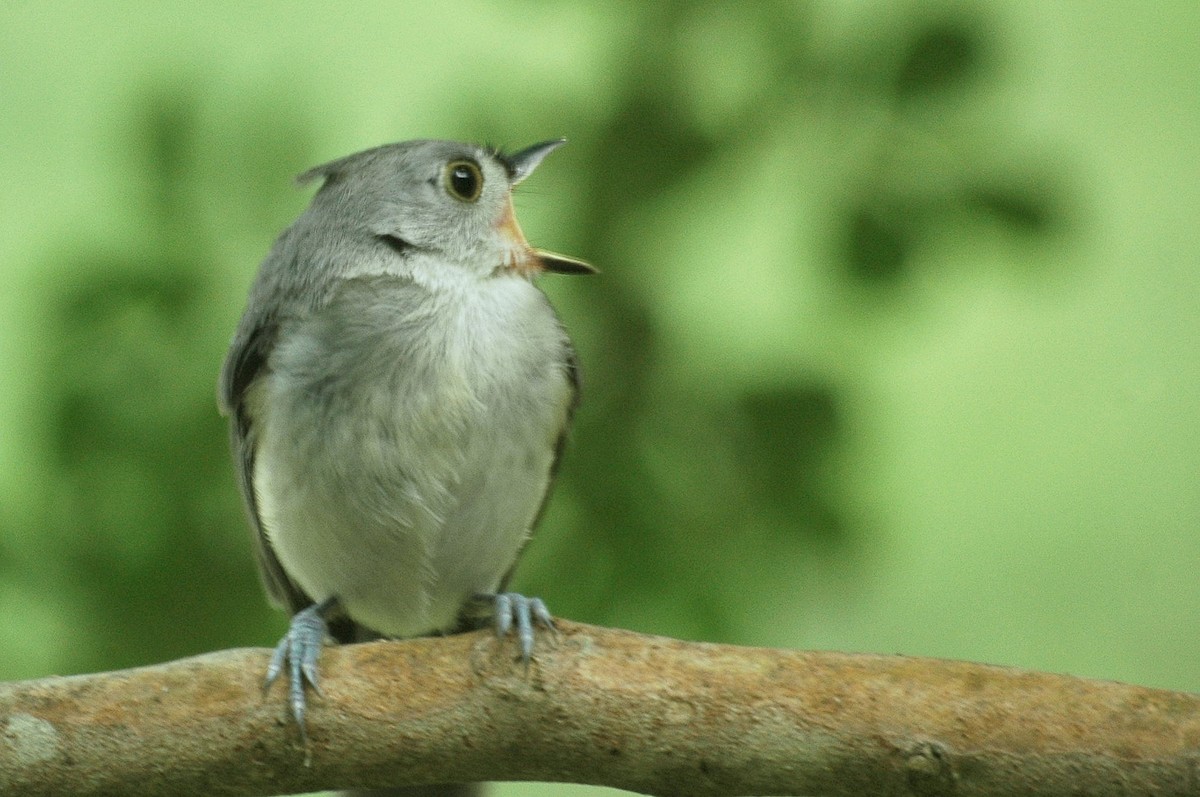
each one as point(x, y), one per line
point(406, 442)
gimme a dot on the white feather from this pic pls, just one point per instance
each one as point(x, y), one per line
point(406, 435)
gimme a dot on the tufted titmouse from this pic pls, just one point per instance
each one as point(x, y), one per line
point(398, 394)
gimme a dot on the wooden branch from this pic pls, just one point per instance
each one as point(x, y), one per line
point(600, 706)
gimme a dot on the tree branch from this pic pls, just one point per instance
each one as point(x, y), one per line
point(601, 706)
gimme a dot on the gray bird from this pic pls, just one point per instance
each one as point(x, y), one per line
point(398, 393)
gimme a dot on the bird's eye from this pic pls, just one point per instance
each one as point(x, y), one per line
point(464, 181)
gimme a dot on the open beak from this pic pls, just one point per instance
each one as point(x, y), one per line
point(521, 256)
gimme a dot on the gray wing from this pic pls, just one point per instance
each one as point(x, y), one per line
point(245, 363)
point(571, 367)
point(573, 378)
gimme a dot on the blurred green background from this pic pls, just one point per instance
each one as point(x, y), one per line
point(896, 348)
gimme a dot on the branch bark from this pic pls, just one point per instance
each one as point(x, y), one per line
point(601, 706)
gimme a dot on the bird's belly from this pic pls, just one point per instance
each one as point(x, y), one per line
point(404, 502)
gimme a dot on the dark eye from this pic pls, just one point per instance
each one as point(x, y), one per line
point(464, 181)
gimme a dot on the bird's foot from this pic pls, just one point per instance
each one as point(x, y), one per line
point(511, 609)
point(298, 652)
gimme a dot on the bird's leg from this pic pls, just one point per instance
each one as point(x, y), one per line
point(298, 651)
point(512, 608)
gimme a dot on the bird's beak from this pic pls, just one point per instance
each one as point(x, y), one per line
point(523, 257)
point(561, 264)
point(521, 164)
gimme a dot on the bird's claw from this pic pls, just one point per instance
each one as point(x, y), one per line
point(512, 608)
point(298, 652)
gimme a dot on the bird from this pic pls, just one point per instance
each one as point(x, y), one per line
point(399, 393)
